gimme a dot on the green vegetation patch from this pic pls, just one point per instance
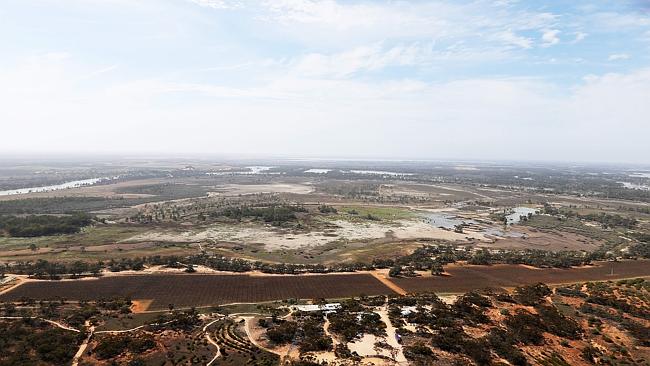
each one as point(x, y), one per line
point(90, 236)
point(571, 225)
point(57, 205)
point(374, 213)
point(166, 190)
point(276, 215)
point(42, 225)
point(33, 342)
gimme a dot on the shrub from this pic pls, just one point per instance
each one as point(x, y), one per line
point(532, 294)
point(283, 332)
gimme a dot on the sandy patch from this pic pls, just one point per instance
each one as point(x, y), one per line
point(257, 336)
point(410, 327)
point(382, 276)
point(160, 269)
point(413, 229)
point(328, 357)
point(448, 299)
point(397, 353)
point(13, 282)
point(274, 239)
point(243, 189)
point(366, 346)
point(140, 306)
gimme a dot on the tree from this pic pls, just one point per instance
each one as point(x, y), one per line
point(78, 268)
point(395, 271)
point(96, 269)
point(437, 269)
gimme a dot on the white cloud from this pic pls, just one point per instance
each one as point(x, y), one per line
point(580, 36)
point(367, 58)
point(103, 70)
point(377, 57)
point(620, 21)
point(294, 115)
point(350, 24)
point(218, 4)
point(550, 37)
point(618, 56)
point(54, 56)
point(509, 37)
point(334, 77)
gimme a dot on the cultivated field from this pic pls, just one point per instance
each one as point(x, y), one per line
point(203, 290)
point(463, 278)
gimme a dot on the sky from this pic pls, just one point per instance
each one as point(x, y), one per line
point(485, 80)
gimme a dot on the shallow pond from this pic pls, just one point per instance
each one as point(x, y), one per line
point(56, 187)
point(444, 220)
point(630, 185)
point(318, 171)
point(503, 233)
point(514, 217)
point(258, 169)
point(379, 172)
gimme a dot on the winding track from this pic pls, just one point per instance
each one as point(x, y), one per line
point(211, 341)
point(55, 323)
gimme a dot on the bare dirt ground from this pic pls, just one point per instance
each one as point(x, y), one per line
point(382, 275)
point(398, 352)
point(274, 239)
point(366, 346)
point(140, 306)
point(243, 189)
point(434, 191)
point(257, 336)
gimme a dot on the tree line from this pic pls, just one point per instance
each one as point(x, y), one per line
point(43, 225)
point(426, 258)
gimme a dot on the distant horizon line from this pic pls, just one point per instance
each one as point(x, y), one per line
point(253, 157)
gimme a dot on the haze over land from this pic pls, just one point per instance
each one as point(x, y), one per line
point(324, 182)
point(515, 80)
point(168, 262)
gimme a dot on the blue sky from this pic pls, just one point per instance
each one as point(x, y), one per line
point(551, 80)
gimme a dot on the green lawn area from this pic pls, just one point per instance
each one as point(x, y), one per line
point(128, 321)
point(545, 222)
point(89, 236)
point(67, 247)
point(357, 213)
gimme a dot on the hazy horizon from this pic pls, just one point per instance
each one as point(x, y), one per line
point(378, 80)
point(314, 161)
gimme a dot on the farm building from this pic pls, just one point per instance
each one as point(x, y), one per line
point(327, 308)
